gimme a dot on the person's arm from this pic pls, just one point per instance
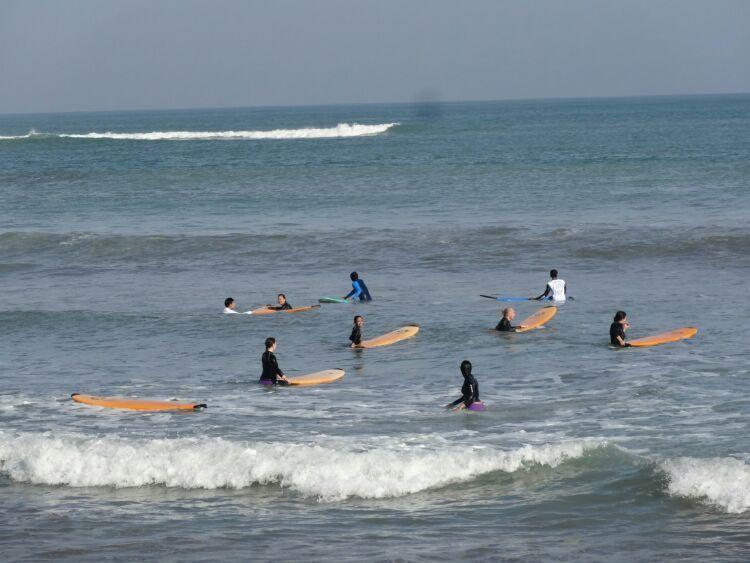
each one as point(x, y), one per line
point(621, 342)
point(355, 290)
point(275, 366)
point(543, 295)
point(469, 396)
point(459, 401)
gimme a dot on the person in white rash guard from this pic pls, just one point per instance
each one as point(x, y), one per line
point(555, 290)
point(230, 308)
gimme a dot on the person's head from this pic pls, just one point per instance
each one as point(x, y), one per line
point(281, 298)
point(620, 317)
point(509, 313)
point(553, 274)
point(270, 344)
point(359, 320)
point(466, 368)
point(354, 276)
point(229, 303)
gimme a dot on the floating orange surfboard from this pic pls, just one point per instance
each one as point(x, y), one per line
point(267, 311)
point(135, 404)
point(665, 337)
point(391, 337)
point(317, 378)
point(538, 319)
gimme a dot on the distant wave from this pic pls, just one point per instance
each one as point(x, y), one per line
point(328, 473)
point(340, 130)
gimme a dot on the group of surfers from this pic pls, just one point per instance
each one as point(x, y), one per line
point(556, 291)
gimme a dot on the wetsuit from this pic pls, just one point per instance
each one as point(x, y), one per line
point(469, 391)
point(505, 325)
point(271, 370)
point(356, 335)
point(615, 330)
point(283, 307)
point(359, 289)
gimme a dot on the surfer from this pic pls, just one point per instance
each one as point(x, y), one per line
point(469, 390)
point(555, 290)
point(504, 325)
point(617, 330)
point(356, 335)
point(359, 289)
point(230, 306)
point(282, 304)
point(272, 374)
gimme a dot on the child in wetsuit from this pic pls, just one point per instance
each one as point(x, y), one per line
point(272, 374)
point(356, 335)
point(359, 288)
point(504, 325)
point(283, 304)
point(617, 330)
point(469, 390)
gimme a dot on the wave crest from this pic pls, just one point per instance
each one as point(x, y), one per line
point(723, 482)
point(327, 473)
point(340, 130)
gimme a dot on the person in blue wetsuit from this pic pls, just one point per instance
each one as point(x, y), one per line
point(469, 390)
point(359, 288)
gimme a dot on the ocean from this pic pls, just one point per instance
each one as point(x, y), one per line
point(122, 233)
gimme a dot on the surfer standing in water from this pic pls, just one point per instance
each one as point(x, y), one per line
point(272, 374)
point(283, 305)
point(359, 288)
point(556, 289)
point(617, 330)
point(356, 335)
point(469, 390)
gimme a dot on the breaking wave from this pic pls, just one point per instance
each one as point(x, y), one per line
point(340, 130)
point(720, 481)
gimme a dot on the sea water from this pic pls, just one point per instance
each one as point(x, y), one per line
point(122, 233)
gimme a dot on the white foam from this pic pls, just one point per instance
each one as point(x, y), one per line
point(340, 130)
point(721, 481)
point(331, 472)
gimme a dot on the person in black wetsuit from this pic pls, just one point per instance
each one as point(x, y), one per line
point(469, 390)
point(283, 303)
point(504, 325)
point(359, 288)
point(617, 330)
point(356, 335)
point(272, 374)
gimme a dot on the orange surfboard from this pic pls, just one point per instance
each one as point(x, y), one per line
point(392, 337)
point(267, 311)
point(135, 404)
point(538, 319)
point(317, 378)
point(665, 337)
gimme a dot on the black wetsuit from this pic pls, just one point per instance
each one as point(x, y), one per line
point(356, 335)
point(615, 330)
point(505, 325)
point(271, 370)
point(469, 392)
point(283, 307)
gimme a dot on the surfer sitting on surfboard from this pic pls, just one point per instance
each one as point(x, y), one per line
point(469, 390)
point(356, 335)
point(359, 289)
point(504, 325)
point(283, 305)
point(617, 330)
point(272, 374)
point(555, 290)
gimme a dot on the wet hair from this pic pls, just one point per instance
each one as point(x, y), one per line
point(466, 368)
point(553, 273)
point(358, 317)
point(270, 341)
point(282, 295)
point(505, 311)
point(620, 315)
point(228, 301)
point(354, 276)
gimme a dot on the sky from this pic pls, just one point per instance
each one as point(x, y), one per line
point(88, 55)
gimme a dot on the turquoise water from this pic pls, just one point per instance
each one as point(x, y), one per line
point(118, 245)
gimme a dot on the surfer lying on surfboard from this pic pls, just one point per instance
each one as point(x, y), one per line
point(230, 307)
point(356, 335)
point(272, 374)
point(617, 330)
point(359, 289)
point(469, 390)
point(283, 304)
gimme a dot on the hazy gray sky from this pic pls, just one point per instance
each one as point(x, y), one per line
point(103, 54)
